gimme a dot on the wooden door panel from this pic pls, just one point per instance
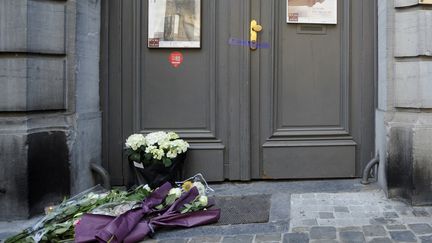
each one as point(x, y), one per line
point(309, 82)
point(309, 160)
point(310, 85)
point(184, 99)
point(303, 122)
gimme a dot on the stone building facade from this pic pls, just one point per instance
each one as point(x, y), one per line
point(403, 115)
point(50, 119)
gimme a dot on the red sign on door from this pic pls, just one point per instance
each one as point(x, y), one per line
point(176, 58)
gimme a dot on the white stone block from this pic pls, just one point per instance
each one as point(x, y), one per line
point(413, 84)
point(13, 21)
point(413, 33)
point(32, 84)
point(32, 26)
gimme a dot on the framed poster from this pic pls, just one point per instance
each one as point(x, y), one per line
point(174, 24)
point(312, 11)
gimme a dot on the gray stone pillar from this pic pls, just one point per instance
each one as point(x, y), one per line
point(49, 102)
point(404, 118)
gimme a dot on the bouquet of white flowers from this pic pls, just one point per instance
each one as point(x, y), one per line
point(157, 157)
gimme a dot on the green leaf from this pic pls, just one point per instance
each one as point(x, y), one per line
point(170, 199)
point(184, 210)
point(60, 231)
point(148, 156)
point(135, 157)
point(159, 207)
point(167, 162)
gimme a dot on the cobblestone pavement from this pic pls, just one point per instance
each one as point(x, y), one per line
point(356, 217)
point(308, 211)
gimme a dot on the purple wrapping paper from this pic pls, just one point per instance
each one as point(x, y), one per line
point(94, 227)
point(173, 218)
point(130, 228)
point(89, 225)
point(186, 220)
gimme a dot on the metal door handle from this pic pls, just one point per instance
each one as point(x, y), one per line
point(254, 29)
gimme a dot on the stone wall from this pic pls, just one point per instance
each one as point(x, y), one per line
point(49, 101)
point(404, 114)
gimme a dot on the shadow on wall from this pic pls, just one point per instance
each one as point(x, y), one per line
point(48, 170)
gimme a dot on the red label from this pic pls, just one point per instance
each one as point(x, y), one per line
point(176, 58)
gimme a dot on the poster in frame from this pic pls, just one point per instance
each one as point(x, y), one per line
point(174, 24)
point(312, 11)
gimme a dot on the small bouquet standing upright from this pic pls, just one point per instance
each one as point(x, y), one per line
point(157, 157)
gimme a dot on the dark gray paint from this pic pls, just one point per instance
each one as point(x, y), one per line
point(312, 112)
point(245, 113)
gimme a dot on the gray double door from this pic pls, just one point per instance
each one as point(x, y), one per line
point(302, 108)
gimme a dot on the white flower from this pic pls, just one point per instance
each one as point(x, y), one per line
point(147, 188)
point(157, 153)
point(180, 146)
point(150, 148)
point(200, 187)
point(203, 200)
point(171, 154)
point(135, 141)
point(172, 135)
point(156, 137)
point(175, 191)
point(165, 144)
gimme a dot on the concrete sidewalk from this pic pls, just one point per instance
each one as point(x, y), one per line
point(308, 211)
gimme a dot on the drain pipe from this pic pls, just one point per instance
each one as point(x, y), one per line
point(367, 170)
point(98, 169)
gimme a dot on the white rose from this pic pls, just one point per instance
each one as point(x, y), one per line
point(200, 187)
point(135, 141)
point(203, 200)
point(147, 188)
point(175, 191)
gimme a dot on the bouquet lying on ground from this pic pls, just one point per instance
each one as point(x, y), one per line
point(126, 220)
point(58, 225)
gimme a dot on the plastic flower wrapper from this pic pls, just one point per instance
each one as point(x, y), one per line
point(119, 207)
point(115, 209)
point(59, 224)
point(197, 181)
point(60, 220)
